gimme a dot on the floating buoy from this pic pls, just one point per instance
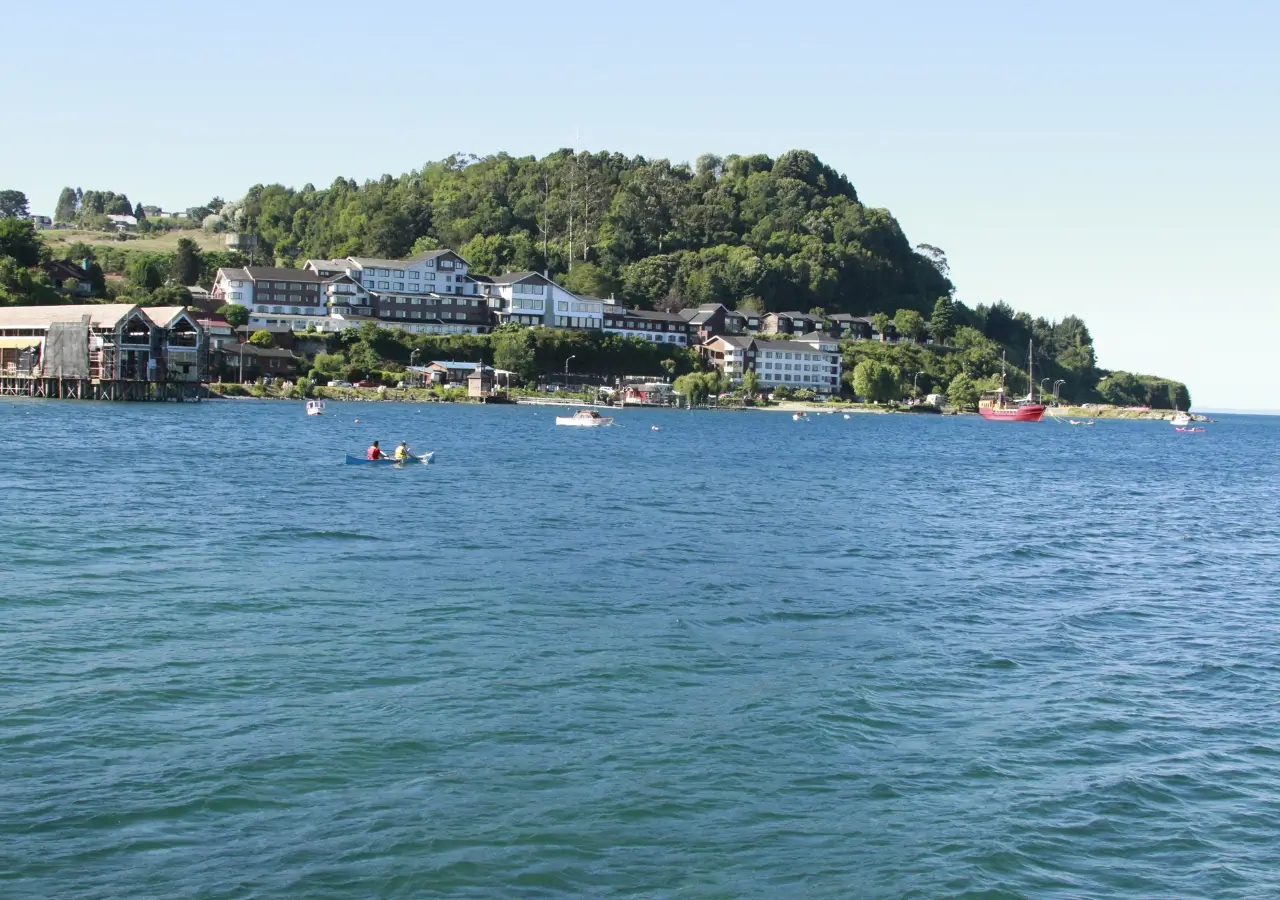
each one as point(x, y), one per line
point(357, 421)
point(655, 428)
point(847, 416)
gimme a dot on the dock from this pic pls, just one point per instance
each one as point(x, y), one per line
point(118, 389)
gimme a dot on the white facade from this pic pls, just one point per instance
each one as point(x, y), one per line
point(233, 286)
point(810, 363)
point(528, 298)
point(436, 272)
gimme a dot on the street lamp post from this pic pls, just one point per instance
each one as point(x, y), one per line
point(413, 357)
point(1042, 381)
point(1057, 387)
point(915, 382)
point(566, 367)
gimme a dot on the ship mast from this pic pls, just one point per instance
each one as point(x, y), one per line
point(1031, 373)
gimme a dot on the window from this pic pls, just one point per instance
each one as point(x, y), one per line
point(446, 315)
point(237, 284)
point(385, 273)
point(399, 286)
point(234, 295)
point(413, 275)
point(431, 276)
point(562, 306)
point(384, 284)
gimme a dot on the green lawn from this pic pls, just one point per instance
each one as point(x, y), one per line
point(57, 239)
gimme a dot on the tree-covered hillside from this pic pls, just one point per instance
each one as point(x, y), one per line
point(788, 233)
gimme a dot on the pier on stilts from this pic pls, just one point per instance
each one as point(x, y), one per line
point(71, 388)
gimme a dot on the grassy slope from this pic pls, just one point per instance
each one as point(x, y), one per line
point(162, 243)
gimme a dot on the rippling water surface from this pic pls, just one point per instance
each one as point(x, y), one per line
point(736, 657)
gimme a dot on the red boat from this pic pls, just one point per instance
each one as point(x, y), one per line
point(996, 407)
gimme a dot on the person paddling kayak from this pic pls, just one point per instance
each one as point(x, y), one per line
point(402, 452)
point(375, 452)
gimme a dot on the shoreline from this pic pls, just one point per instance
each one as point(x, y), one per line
point(422, 395)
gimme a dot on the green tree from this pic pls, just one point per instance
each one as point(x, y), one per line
point(880, 322)
point(13, 205)
point(942, 324)
point(236, 314)
point(262, 339)
point(18, 240)
point(909, 324)
point(138, 213)
point(669, 367)
point(514, 351)
point(877, 382)
point(186, 262)
point(149, 271)
point(20, 286)
point(693, 386)
point(962, 393)
point(65, 210)
point(750, 383)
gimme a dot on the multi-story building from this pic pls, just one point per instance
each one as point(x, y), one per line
point(651, 325)
point(855, 328)
point(529, 298)
point(793, 322)
point(271, 294)
point(429, 293)
point(812, 361)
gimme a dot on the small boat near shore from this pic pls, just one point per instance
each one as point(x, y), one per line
point(585, 418)
point(389, 461)
point(799, 417)
point(315, 407)
point(1181, 430)
point(1180, 420)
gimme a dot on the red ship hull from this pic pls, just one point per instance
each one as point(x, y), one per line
point(1030, 412)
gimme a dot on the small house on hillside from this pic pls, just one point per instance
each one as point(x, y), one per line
point(68, 277)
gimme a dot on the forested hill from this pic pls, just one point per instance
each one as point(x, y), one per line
point(785, 233)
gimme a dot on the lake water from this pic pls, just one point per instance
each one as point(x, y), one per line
point(739, 656)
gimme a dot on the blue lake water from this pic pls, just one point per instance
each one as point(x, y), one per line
point(739, 656)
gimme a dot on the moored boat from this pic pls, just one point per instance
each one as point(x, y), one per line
point(1180, 420)
point(315, 407)
point(995, 406)
point(585, 418)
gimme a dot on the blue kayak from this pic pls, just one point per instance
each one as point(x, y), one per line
point(386, 461)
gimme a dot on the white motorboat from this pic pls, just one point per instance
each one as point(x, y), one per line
point(1180, 420)
point(584, 418)
point(799, 417)
point(315, 407)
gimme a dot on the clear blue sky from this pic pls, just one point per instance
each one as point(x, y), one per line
point(1117, 161)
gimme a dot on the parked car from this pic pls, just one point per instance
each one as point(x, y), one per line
point(340, 384)
point(367, 383)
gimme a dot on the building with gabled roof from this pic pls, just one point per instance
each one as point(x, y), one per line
point(812, 362)
point(531, 298)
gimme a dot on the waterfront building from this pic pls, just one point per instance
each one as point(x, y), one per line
point(812, 361)
point(103, 341)
point(449, 371)
point(271, 362)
